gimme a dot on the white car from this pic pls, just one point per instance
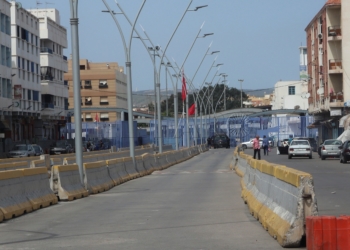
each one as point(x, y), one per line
point(299, 148)
point(249, 144)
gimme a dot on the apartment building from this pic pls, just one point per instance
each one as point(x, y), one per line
point(5, 70)
point(328, 60)
point(103, 91)
point(26, 93)
point(53, 66)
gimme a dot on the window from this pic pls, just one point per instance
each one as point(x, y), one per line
point(104, 117)
point(104, 100)
point(88, 100)
point(291, 90)
point(103, 84)
point(88, 117)
point(87, 84)
point(29, 94)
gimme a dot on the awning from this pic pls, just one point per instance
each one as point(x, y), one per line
point(342, 121)
point(4, 125)
point(314, 125)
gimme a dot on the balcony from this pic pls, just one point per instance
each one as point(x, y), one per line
point(46, 78)
point(65, 58)
point(335, 66)
point(45, 105)
point(336, 100)
point(334, 33)
point(45, 50)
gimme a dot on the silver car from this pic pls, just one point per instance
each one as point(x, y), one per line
point(299, 148)
point(330, 148)
point(21, 150)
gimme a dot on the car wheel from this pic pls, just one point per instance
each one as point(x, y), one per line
point(289, 156)
point(310, 156)
point(244, 146)
point(323, 158)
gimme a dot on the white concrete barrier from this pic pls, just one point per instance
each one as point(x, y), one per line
point(65, 182)
point(96, 177)
point(37, 187)
point(20, 159)
point(13, 165)
point(130, 168)
point(140, 166)
point(149, 163)
point(13, 201)
point(117, 172)
point(278, 196)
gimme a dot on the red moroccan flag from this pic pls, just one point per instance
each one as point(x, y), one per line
point(192, 109)
point(184, 92)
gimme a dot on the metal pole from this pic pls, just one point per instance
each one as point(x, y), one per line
point(76, 87)
point(187, 122)
point(166, 90)
point(241, 80)
point(176, 112)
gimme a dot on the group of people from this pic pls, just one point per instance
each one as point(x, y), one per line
point(257, 147)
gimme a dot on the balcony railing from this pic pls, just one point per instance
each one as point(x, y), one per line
point(47, 78)
point(45, 105)
point(45, 50)
point(334, 31)
point(335, 64)
point(65, 58)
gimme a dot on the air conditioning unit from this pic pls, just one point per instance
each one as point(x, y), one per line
point(320, 36)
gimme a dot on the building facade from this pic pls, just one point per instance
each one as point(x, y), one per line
point(53, 66)
point(103, 91)
point(290, 95)
point(328, 61)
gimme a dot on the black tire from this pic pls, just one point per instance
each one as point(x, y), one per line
point(244, 146)
point(289, 156)
point(310, 156)
point(323, 158)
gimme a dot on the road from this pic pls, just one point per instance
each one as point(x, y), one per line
point(192, 205)
point(331, 180)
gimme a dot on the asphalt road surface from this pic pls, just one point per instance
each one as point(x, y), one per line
point(331, 180)
point(192, 205)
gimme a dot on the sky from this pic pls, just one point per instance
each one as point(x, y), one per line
point(258, 40)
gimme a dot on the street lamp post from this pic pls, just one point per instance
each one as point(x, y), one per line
point(76, 86)
point(224, 81)
point(127, 51)
point(241, 80)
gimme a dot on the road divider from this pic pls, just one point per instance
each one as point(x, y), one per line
point(117, 172)
point(278, 196)
point(96, 177)
point(65, 182)
point(130, 168)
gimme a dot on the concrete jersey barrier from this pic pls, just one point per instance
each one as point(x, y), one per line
point(65, 182)
point(26, 159)
point(130, 168)
point(13, 201)
point(116, 170)
point(149, 163)
point(13, 165)
point(37, 187)
point(96, 177)
point(140, 166)
point(278, 196)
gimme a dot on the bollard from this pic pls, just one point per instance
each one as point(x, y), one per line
point(329, 227)
point(343, 229)
point(314, 234)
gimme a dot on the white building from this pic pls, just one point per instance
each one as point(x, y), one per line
point(290, 95)
point(53, 65)
point(5, 69)
point(25, 47)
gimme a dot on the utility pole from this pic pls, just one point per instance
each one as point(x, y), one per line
point(224, 76)
point(241, 80)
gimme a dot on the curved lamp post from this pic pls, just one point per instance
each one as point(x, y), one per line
point(127, 51)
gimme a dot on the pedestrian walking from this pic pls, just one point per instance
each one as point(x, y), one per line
point(256, 147)
point(265, 145)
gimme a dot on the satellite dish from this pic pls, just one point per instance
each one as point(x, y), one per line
point(307, 95)
point(18, 5)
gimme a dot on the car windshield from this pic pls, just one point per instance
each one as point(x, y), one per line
point(20, 147)
point(220, 137)
point(299, 143)
point(332, 142)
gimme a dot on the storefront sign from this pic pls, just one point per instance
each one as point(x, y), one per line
point(17, 91)
point(336, 112)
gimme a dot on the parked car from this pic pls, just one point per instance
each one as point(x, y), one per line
point(221, 141)
point(61, 147)
point(300, 148)
point(311, 140)
point(330, 148)
point(345, 152)
point(249, 144)
point(21, 150)
point(38, 150)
